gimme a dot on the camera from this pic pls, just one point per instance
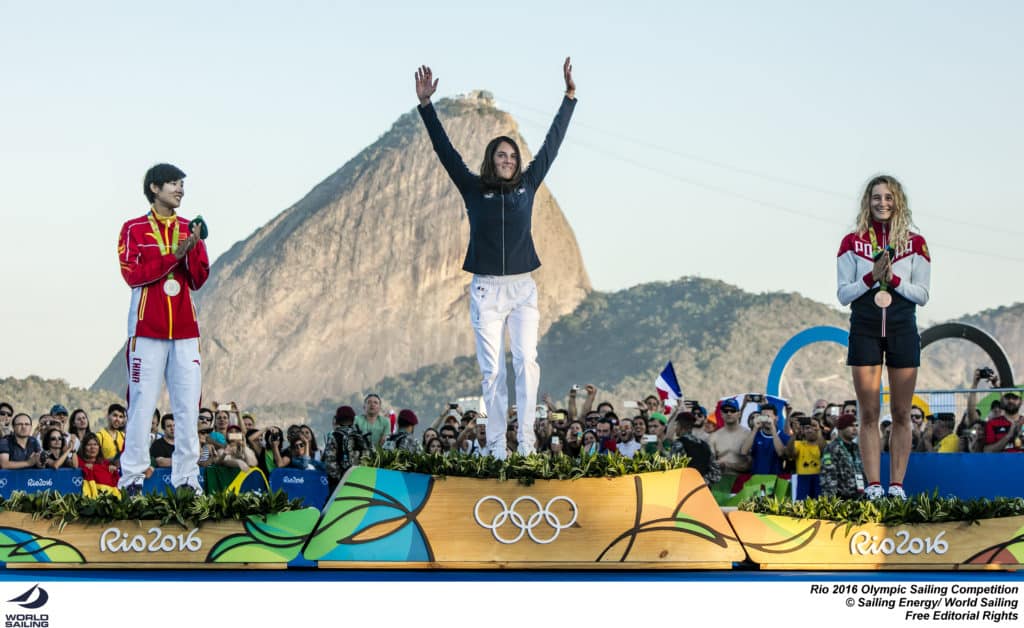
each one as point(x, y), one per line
point(575, 388)
point(557, 416)
point(554, 440)
point(757, 398)
point(542, 411)
point(650, 438)
point(453, 406)
point(986, 373)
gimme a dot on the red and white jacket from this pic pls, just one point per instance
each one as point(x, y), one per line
point(911, 277)
point(146, 263)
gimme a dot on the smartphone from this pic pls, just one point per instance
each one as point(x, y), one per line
point(630, 405)
point(481, 420)
point(453, 406)
point(554, 440)
point(557, 416)
point(650, 439)
point(235, 437)
point(834, 411)
point(575, 387)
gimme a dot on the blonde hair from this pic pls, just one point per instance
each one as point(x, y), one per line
point(901, 221)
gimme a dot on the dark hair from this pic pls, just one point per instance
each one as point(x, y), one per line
point(15, 418)
point(116, 406)
point(89, 437)
point(489, 178)
point(46, 437)
point(164, 419)
point(4, 404)
point(71, 421)
point(159, 175)
point(448, 428)
point(426, 447)
point(367, 398)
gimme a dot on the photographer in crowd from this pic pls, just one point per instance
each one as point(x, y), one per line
point(805, 450)
point(765, 446)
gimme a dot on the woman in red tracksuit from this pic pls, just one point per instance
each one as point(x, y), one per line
point(884, 271)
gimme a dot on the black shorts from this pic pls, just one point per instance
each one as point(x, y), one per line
point(902, 351)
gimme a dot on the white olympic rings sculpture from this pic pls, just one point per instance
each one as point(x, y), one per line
point(508, 514)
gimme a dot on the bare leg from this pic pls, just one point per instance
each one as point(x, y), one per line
point(901, 394)
point(866, 382)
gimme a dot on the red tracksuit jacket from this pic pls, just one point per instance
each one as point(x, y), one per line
point(147, 260)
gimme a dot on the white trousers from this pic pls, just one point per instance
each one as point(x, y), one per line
point(150, 362)
point(494, 304)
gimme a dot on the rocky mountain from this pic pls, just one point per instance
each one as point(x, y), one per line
point(361, 278)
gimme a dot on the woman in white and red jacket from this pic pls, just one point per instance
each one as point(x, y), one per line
point(883, 272)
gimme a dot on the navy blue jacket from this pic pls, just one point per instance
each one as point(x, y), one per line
point(500, 222)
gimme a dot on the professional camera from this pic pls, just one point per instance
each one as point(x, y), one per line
point(986, 373)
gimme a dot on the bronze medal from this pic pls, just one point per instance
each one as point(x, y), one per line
point(172, 288)
point(883, 299)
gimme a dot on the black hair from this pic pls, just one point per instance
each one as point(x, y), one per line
point(164, 419)
point(159, 175)
point(4, 404)
point(489, 178)
point(116, 406)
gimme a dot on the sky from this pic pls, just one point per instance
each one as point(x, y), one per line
point(724, 140)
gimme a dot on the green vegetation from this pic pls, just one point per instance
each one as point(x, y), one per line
point(35, 396)
point(183, 507)
point(916, 509)
point(525, 469)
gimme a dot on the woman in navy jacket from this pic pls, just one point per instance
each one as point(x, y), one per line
point(501, 255)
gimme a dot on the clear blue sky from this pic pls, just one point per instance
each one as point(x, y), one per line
point(727, 140)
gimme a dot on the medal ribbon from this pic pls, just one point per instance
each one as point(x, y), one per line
point(165, 248)
point(875, 250)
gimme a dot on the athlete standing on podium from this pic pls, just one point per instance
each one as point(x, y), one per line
point(884, 273)
point(501, 255)
point(163, 259)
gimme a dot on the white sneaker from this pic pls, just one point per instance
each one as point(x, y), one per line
point(897, 492)
point(873, 492)
point(193, 485)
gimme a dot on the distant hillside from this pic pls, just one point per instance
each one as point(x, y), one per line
point(720, 339)
point(35, 396)
point(362, 277)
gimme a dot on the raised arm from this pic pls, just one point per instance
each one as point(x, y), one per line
point(450, 158)
point(542, 161)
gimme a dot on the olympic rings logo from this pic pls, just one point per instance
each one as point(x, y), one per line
point(509, 514)
point(77, 481)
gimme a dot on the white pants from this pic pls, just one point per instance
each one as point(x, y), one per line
point(494, 304)
point(150, 361)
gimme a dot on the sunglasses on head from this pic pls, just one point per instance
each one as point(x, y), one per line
point(729, 410)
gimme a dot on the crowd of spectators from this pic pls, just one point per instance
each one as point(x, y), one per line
point(742, 436)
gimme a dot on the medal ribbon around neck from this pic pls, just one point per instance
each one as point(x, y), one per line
point(173, 246)
point(882, 297)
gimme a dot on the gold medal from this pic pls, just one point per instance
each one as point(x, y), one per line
point(883, 299)
point(172, 287)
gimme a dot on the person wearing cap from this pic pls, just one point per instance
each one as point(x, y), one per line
point(940, 434)
point(345, 445)
point(842, 473)
point(727, 442)
point(1003, 432)
point(60, 413)
point(163, 259)
point(403, 438)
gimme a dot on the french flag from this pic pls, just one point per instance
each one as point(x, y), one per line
point(668, 388)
